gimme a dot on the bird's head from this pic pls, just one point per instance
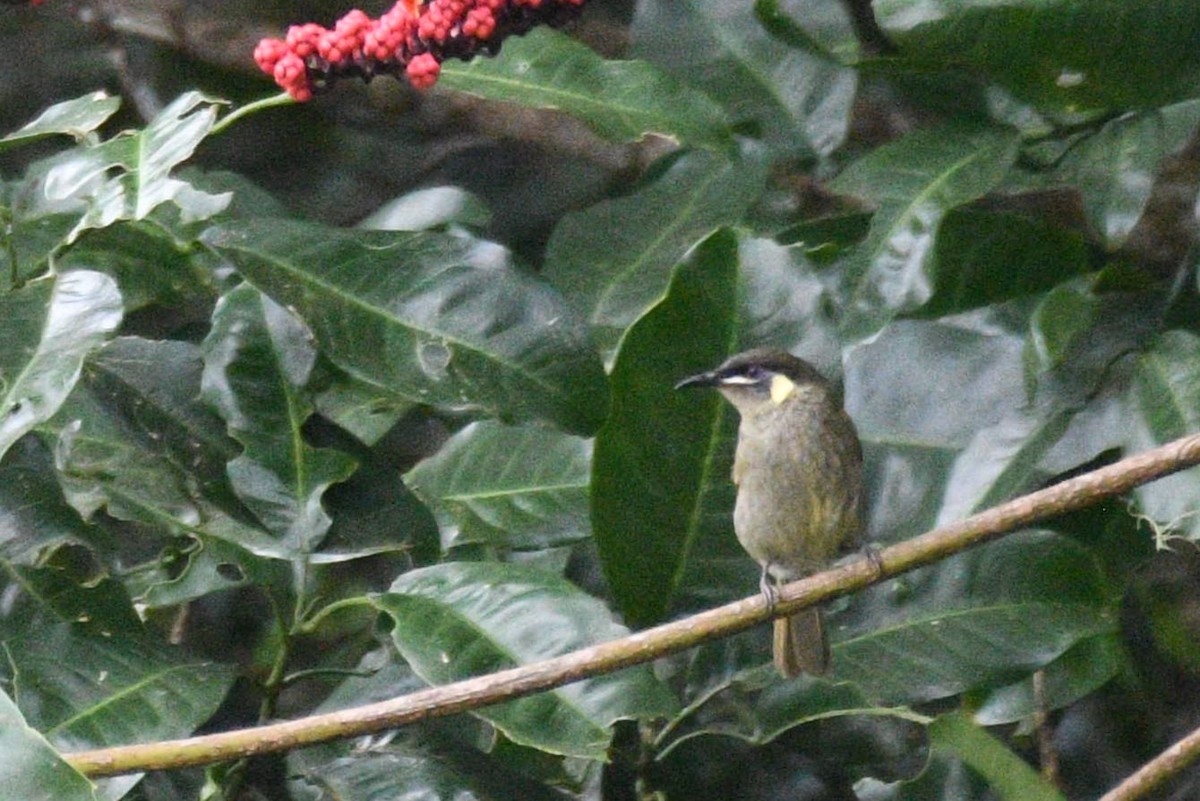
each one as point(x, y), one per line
point(762, 379)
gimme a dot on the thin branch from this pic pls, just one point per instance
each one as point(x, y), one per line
point(1157, 770)
point(644, 646)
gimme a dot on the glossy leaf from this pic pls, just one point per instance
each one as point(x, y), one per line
point(614, 260)
point(797, 102)
point(620, 100)
point(87, 691)
point(1045, 52)
point(49, 327)
point(1163, 403)
point(129, 176)
point(1064, 315)
point(913, 183)
point(430, 317)
point(33, 514)
point(78, 118)
point(258, 359)
point(519, 488)
point(654, 457)
point(29, 766)
point(466, 619)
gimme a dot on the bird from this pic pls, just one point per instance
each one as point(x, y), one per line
point(798, 469)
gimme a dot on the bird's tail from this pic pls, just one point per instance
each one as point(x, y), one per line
point(801, 645)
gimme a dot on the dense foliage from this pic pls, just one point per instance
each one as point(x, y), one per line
point(261, 465)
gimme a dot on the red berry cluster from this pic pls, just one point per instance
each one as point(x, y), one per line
point(413, 39)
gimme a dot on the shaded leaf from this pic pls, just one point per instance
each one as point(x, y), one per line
point(426, 209)
point(87, 691)
point(258, 359)
point(614, 260)
point(1045, 51)
point(620, 100)
point(913, 183)
point(654, 457)
point(29, 766)
point(521, 488)
point(49, 327)
point(466, 619)
point(430, 317)
point(978, 618)
point(1162, 404)
point(797, 102)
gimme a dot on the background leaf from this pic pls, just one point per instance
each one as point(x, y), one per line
point(466, 619)
point(620, 100)
point(448, 319)
point(50, 326)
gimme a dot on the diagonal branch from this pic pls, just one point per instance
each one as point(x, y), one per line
point(1158, 770)
point(644, 646)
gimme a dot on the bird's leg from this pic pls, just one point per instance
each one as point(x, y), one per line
point(767, 585)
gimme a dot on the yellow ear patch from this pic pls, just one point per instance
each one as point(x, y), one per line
point(782, 388)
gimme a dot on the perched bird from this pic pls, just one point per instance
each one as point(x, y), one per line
point(798, 471)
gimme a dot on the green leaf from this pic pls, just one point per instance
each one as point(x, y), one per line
point(1063, 316)
point(620, 100)
point(797, 102)
point(614, 260)
point(128, 176)
point(978, 619)
point(913, 183)
point(48, 328)
point(78, 118)
point(258, 359)
point(1163, 404)
point(1081, 671)
point(34, 516)
point(1114, 168)
point(465, 619)
point(88, 691)
point(1046, 51)
point(429, 317)
point(519, 488)
point(29, 766)
point(655, 456)
point(1006, 773)
point(984, 258)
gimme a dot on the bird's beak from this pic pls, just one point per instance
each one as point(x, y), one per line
point(709, 379)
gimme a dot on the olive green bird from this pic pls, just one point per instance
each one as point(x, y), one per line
point(798, 471)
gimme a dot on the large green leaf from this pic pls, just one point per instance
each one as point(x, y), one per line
point(614, 260)
point(508, 487)
point(129, 176)
point(258, 359)
point(913, 183)
point(29, 766)
point(48, 328)
point(1163, 403)
point(78, 118)
point(620, 100)
point(797, 101)
point(135, 440)
point(33, 514)
point(1064, 56)
point(654, 458)
point(463, 619)
point(431, 317)
point(88, 691)
point(978, 619)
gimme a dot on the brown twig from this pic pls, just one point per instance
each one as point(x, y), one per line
point(1157, 770)
point(644, 646)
